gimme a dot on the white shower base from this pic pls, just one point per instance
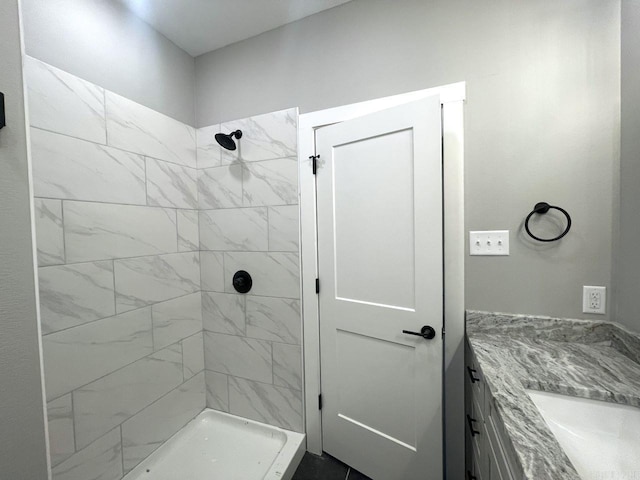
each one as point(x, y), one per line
point(219, 446)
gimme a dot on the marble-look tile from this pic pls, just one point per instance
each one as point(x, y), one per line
point(176, 319)
point(193, 355)
point(217, 390)
point(276, 319)
point(212, 271)
point(171, 185)
point(109, 401)
point(223, 313)
point(80, 355)
point(284, 229)
point(243, 357)
point(208, 150)
point(272, 182)
point(61, 436)
point(145, 280)
point(99, 231)
point(136, 128)
point(149, 429)
point(63, 103)
point(68, 168)
point(220, 187)
point(74, 294)
point(102, 460)
point(287, 365)
point(264, 137)
point(274, 274)
point(188, 231)
point(239, 229)
point(49, 233)
point(277, 406)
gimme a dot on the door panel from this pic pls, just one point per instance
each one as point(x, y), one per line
point(379, 200)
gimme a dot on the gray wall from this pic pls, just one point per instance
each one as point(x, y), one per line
point(102, 42)
point(542, 116)
point(22, 438)
point(628, 265)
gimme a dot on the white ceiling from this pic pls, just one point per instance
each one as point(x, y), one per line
point(199, 26)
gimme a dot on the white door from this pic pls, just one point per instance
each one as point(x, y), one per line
point(379, 200)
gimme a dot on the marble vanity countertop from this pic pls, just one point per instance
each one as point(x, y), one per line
point(596, 360)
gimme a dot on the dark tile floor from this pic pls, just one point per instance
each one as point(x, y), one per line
point(313, 467)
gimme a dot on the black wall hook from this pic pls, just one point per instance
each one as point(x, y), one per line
point(541, 208)
point(3, 122)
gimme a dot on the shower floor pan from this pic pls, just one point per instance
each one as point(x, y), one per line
point(219, 446)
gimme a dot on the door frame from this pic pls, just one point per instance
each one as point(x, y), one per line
point(452, 98)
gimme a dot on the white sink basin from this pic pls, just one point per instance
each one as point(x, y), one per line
point(601, 439)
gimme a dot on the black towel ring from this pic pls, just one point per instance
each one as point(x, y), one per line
point(542, 208)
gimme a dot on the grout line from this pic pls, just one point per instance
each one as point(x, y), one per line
point(116, 259)
point(255, 381)
point(168, 347)
point(121, 448)
point(115, 295)
point(113, 147)
point(64, 236)
point(146, 183)
point(118, 314)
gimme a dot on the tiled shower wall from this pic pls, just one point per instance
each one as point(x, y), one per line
point(249, 221)
point(117, 236)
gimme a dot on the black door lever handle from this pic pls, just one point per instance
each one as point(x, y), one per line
point(425, 332)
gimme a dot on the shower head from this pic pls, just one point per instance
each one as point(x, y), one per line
point(226, 140)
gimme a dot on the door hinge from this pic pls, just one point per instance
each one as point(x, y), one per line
point(317, 285)
point(442, 332)
point(314, 160)
point(320, 402)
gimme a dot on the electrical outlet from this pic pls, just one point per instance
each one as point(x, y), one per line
point(495, 242)
point(594, 299)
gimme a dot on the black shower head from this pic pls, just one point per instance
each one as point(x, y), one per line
point(226, 140)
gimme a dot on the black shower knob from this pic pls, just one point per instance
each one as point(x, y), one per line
point(242, 281)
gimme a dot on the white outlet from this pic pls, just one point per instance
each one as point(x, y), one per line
point(594, 299)
point(494, 242)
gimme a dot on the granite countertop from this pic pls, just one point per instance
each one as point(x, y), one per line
point(597, 360)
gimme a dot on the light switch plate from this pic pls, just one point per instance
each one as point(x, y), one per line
point(493, 242)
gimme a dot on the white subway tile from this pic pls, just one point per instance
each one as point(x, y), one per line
point(49, 232)
point(147, 430)
point(109, 401)
point(82, 354)
point(61, 436)
point(264, 137)
point(71, 295)
point(98, 231)
point(63, 103)
point(273, 405)
point(102, 460)
point(244, 357)
point(220, 187)
point(223, 313)
point(145, 280)
point(276, 319)
point(212, 271)
point(287, 365)
point(272, 182)
point(193, 355)
point(171, 185)
point(136, 128)
point(188, 231)
point(274, 274)
point(176, 319)
point(68, 168)
point(284, 228)
point(240, 229)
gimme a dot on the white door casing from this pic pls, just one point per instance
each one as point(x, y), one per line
point(380, 262)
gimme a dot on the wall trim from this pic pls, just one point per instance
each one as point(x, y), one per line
point(452, 97)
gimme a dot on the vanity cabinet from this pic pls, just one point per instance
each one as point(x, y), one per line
point(485, 453)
